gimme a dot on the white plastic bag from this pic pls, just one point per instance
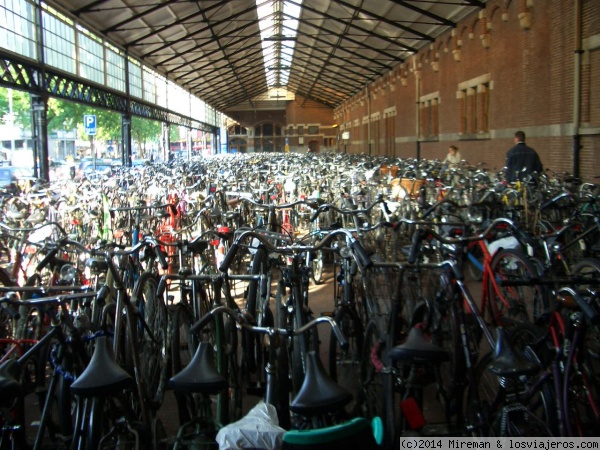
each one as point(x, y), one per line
point(259, 429)
point(509, 242)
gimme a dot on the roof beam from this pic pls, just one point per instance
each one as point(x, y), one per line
point(438, 19)
point(385, 20)
point(205, 29)
point(135, 17)
point(353, 25)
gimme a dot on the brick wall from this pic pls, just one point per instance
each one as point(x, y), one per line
point(527, 49)
point(519, 55)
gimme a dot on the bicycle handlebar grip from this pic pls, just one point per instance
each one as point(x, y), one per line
point(588, 310)
point(385, 208)
point(340, 336)
point(316, 214)
point(361, 255)
point(229, 256)
point(201, 323)
point(162, 259)
point(415, 245)
point(44, 262)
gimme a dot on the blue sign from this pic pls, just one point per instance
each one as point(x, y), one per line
point(89, 124)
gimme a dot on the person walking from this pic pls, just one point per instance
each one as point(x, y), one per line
point(521, 160)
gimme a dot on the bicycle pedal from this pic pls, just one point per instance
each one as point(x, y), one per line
point(327, 314)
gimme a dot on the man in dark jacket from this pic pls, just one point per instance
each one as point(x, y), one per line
point(521, 160)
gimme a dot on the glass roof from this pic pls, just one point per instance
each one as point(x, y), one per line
point(278, 30)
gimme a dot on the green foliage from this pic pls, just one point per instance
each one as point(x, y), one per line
point(20, 107)
point(144, 130)
point(65, 115)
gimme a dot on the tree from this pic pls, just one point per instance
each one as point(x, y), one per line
point(21, 109)
point(144, 130)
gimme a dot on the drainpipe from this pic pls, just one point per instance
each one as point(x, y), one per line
point(368, 117)
point(418, 105)
point(577, 92)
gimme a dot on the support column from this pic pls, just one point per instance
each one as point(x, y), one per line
point(166, 140)
point(39, 122)
point(126, 138)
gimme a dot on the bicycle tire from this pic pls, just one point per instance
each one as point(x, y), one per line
point(301, 344)
point(589, 268)
point(153, 351)
point(487, 415)
point(257, 290)
point(231, 370)
point(445, 322)
point(510, 304)
point(183, 347)
point(344, 364)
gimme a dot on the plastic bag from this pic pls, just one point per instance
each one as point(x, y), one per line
point(259, 429)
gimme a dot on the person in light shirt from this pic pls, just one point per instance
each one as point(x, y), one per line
point(453, 158)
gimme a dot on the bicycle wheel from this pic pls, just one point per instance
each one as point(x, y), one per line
point(232, 400)
point(301, 343)
point(589, 269)
point(444, 324)
point(344, 364)
point(493, 412)
point(183, 347)
point(521, 302)
point(257, 290)
point(151, 338)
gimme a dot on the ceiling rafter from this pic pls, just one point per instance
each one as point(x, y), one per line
point(353, 25)
point(181, 21)
point(215, 49)
point(138, 16)
point(211, 53)
point(202, 30)
point(387, 21)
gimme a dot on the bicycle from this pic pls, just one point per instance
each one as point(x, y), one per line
point(398, 357)
point(28, 371)
point(104, 414)
point(295, 306)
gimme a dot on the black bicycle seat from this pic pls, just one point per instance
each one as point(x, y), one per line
point(509, 363)
point(417, 348)
point(318, 393)
point(102, 376)
point(200, 375)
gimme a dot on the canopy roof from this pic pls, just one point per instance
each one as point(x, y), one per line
point(239, 54)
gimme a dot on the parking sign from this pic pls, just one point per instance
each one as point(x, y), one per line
point(89, 124)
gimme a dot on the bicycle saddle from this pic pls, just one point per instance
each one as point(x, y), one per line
point(197, 245)
point(102, 376)
point(417, 348)
point(509, 363)
point(200, 375)
point(318, 393)
point(97, 265)
point(10, 388)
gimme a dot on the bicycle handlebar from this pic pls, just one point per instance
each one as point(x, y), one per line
point(271, 331)
point(367, 210)
point(360, 254)
point(36, 228)
point(592, 315)
point(268, 206)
